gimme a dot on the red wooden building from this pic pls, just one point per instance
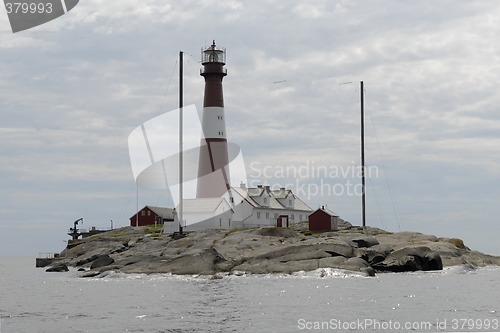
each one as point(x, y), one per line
point(151, 215)
point(323, 219)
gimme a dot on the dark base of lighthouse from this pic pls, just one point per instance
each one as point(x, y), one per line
point(213, 168)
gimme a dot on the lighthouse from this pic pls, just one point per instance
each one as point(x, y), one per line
point(213, 168)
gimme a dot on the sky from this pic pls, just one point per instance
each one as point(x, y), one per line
point(73, 89)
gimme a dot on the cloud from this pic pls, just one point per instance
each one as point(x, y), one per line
point(72, 90)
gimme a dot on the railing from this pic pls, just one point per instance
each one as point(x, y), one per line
point(213, 54)
point(80, 231)
point(204, 70)
point(48, 255)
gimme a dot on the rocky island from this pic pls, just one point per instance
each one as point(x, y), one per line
point(265, 250)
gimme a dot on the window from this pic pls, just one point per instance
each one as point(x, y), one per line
point(143, 213)
point(275, 215)
point(265, 201)
point(300, 217)
point(258, 215)
point(149, 213)
point(290, 202)
point(267, 216)
point(292, 217)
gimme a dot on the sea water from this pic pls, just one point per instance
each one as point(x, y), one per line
point(452, 300)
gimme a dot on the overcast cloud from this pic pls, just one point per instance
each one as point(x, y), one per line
point(72, 90)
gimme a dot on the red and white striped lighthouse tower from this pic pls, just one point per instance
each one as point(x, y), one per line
point(213, 168)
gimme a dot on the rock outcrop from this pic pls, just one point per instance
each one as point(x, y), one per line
point(60, 267)
point(101, 261)
point(267, 250)
point(410, 259)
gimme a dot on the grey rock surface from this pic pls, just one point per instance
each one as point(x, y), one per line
point(60, 267)
point(102, 261)
point(268, 250)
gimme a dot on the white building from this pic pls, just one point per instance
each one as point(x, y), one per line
point(242, 207)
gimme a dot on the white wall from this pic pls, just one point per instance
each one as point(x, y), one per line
point(214, 123)
point(210, 222)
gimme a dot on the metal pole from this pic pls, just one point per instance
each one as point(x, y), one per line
point(363, 199)
point(137, 203)
point(181, 102)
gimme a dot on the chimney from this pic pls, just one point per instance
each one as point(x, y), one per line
point(267, 188)
point(323, 207)
point(259, 186)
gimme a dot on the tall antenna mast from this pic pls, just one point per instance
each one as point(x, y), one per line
point(363, 197)
point(181, 102)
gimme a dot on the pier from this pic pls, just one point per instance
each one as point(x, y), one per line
point(45, 259)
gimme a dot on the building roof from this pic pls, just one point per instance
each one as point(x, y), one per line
point(210, 205)
point(274, 195)
point(255, 191)
point(281, 193)
point(326, 210)
point(301, 205)
point(201, 205)
point(244, 194)
point(164, 213)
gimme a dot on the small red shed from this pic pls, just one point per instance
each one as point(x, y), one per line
point(151, 215)
point(323, 219)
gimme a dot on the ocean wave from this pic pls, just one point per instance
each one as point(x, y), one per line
point(318, 273)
